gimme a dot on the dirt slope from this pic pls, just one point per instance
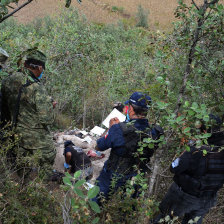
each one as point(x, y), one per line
point(160, 11)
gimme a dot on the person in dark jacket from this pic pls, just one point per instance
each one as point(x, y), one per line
point(3, 58)
point(123, 140)
point(197, 178)
point(76, 159)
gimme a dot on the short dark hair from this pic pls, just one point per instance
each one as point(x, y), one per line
point(33, 62)
point(139, 110)
point(119, 107)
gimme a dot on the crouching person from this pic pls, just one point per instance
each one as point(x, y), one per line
point(76, 159)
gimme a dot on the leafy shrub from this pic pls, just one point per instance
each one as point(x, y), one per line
point(117, 9)
point(22, 202)
point(78, 206)
point(121, 207)
point(92, 65)
point(142, 17)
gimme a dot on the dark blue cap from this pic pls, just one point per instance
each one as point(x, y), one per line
point(139, 99)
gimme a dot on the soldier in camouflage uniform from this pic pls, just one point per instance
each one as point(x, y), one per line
point(34, 110)
point(3, 57)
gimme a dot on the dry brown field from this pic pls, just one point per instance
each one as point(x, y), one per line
point(161, 12)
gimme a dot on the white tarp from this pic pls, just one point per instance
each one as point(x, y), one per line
point(97, 131)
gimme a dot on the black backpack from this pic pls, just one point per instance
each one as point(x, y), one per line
point(132, 136)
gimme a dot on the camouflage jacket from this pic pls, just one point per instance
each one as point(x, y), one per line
point(35, 113)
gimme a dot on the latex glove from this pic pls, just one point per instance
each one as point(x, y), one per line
point(66, 166)
point(98, 153)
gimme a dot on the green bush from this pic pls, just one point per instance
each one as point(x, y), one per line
point(92, 65)
point(117, 9)
point(24, 201)
point(142, 17)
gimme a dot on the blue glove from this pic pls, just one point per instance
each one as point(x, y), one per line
point(66, 165)
point(98, 153)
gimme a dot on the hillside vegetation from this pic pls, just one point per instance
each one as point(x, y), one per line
point(92, 65)
point(161, 13)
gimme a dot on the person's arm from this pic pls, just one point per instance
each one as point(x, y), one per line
point(109, 140)
point(43, 106)
point(68, 157)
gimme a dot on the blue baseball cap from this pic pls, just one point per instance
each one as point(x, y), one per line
point(139, 99)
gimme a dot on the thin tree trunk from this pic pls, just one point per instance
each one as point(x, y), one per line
point(155, 170)
point(196, 38)
point(84, 113)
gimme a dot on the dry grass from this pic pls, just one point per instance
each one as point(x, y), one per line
point(161, 12)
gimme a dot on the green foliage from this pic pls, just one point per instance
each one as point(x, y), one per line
point(207, 60)
point(81, 201)
point(90, 66)
point(117, 9)
point(28, 204)
point(87, 63)
point(142, 17)
point(122, 207)
point(20, 202)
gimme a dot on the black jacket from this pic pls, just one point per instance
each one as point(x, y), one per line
point(79, 160)
point(197, 173)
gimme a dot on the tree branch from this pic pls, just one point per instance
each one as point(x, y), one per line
point(196, 38)
point(213, 2)
point(195, 4)
point(16, 10)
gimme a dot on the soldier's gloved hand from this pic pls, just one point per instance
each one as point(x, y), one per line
point(66, 166)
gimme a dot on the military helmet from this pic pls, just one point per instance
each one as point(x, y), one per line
point(3, 56)
point(36, 55)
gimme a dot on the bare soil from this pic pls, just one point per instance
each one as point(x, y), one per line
point(161, 12)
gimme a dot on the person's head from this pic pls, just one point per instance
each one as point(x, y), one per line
point(214, 128)
point(119, 106)
point(66, 144)
point(3, 57)
point(138, 105)
point(214, 124)
point(35, 62)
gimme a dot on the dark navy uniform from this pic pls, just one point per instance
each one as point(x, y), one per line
point(119, 165)
point(79, 160)
point(197, 178)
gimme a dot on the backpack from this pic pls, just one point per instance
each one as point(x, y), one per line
point(6, 125)
point(4, 111)
point(124, 164)
point(132, 137)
